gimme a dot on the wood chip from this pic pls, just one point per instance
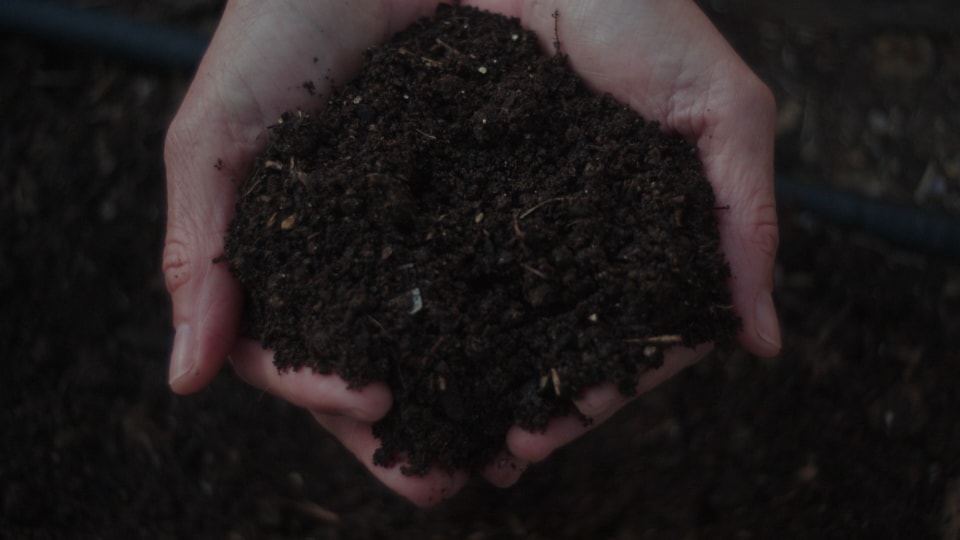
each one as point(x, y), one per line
point(668, 339)
point(315, 511)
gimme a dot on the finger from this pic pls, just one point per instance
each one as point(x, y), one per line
point(206, 307)
point(425, 491)
point(535, 447)
point(598, 403)
point(305, 388)
point(208, 147)
point(504, 470)
point(737, 153)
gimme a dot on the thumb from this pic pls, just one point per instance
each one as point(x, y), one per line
point(207, 300)
point(737, 150)
point(209, 147)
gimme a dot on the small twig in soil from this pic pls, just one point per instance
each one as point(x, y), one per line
point(301, 177)
point(315, 511)
point(252, 187)
point(427, 135)
point(534, 271)
point(432, 350)
point(377, 324)
point(668, 339)
point(555, 379)
point(428, 61)
point(441, 43)
point(538, 205)
point(516, 227)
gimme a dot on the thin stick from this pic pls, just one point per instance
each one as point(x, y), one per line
point(555, 379)
point(376, 322)
point(432, 350)
point(252, 187)
point(315, 511)
point(534, 271)
point(516, 227)
point(429, 61)
point(538, 205)
point(668, 339)
point(448, 47)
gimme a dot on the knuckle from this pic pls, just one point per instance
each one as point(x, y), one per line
point(177, 267)
point(766, 233)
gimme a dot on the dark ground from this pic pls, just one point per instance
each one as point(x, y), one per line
point(850, 433)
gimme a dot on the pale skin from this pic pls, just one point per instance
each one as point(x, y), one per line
point(661, 57)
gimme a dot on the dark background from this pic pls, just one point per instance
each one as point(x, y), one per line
point(852, 432)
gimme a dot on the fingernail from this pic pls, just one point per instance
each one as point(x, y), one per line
point(765, 315)
point(597, 401)
point(182, 360)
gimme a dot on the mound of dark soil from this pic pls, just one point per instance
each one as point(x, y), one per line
point(467, 222)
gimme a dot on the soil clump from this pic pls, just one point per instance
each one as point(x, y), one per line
point(466, 221)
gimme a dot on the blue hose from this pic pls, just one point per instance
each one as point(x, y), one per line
point(140, 42)
point(917, 229)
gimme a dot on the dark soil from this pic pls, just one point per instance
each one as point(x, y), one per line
point(468, 223)
point(850, 433)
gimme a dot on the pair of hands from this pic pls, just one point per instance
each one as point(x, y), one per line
point(661, 57)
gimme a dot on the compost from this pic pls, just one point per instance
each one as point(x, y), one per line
point(466, 221)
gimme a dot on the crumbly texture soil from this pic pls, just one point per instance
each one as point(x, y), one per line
point(850, 433)
point(468, 223)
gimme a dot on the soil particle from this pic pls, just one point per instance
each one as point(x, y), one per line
point(467, 222)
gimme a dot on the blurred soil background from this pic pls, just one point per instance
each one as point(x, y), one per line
point(852, 432)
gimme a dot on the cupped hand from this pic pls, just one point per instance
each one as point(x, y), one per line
point(669, 63)
point(255, 69)
point(663, 58)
